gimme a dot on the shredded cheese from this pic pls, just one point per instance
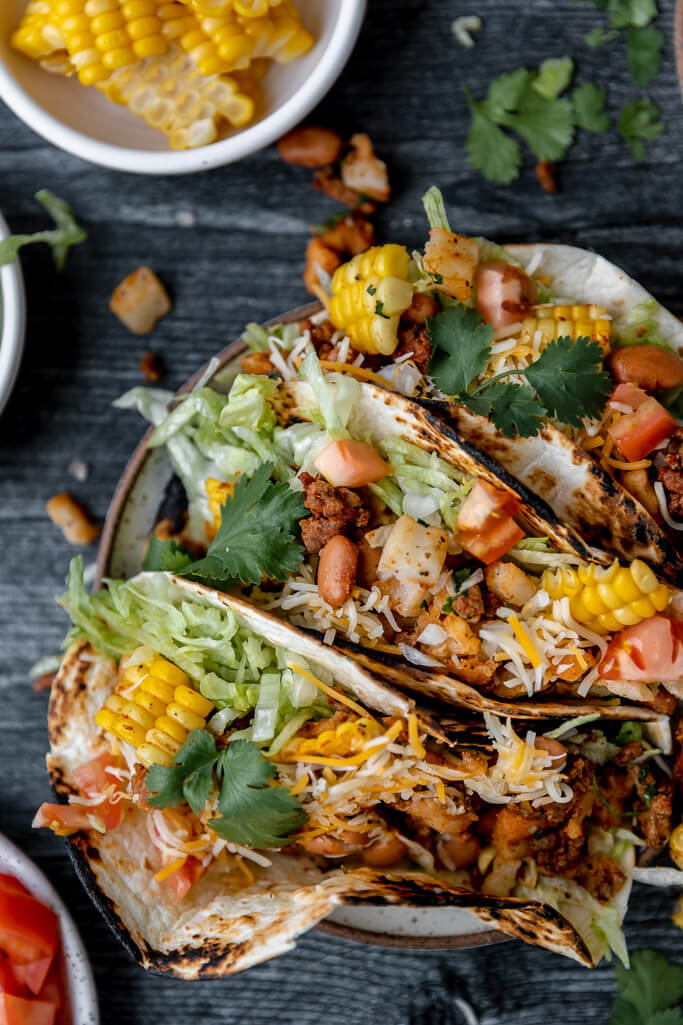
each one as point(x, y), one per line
point(526, 642)
point(168, 870)
point(330, 691)
point(359, 372)
point(413, 736)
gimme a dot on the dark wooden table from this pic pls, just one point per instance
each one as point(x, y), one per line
point(241, 261)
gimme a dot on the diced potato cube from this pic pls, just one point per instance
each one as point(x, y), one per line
point(140, 300)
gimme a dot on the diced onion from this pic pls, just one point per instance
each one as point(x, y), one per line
point(420, 506)
point(658, 876)
point(433, 633)
point(418, 658)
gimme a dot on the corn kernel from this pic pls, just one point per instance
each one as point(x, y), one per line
point(187, 719)
point(172, 728)
point(153, 705)
point(130, 731)
point(193, 701)
point(169, 672)
point(151, 755)
point(158, 687)
point(608, 599)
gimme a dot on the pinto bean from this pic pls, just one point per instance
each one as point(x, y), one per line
point(638, 484)
point(341, 844)
point(256, 363)
point(557, 751)
point(649, 366)
point(337, 570)
point(422, 307)
point(459, 851)
point(384, 852)
point(310, 146)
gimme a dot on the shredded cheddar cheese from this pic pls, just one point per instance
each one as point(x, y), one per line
point(168, 870)
point(526, 642)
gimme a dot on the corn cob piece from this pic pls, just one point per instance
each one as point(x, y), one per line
point(369, 293)
point(37, 35)
point(162, 710)
point(608, 599)
point(349, 738)
point(228, 42)
point(568, 322)
point(245, 8)
point(172, 95)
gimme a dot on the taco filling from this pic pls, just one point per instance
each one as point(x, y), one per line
point(215, 748)
point(373, 527)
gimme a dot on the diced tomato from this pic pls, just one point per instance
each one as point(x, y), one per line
point(184, 878)
point(629, 395)
point(651, 652)
point(28, 928)
point(33, 974)
point(485, 525)
point(637, 433)
point(92, 778)
point(53, 987)
point(65, 819)
point(494, 544)
point(351, 464)
point(17, 1011)
point(505, 293)
point(12, 885)
point(9, 983)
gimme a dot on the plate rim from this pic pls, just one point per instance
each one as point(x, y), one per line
point(12, 322)
point(104, 552)
point(81, 980)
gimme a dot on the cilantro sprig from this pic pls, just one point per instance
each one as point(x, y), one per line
point(640, 122)
point(650, 991)
point(257, 537)
point(566, 382)
point(252, 811)
point(65, 234)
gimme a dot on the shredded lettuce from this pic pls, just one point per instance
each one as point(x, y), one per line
point(390, 493)
point(257, 337)
point(640, 325)
point(335, 394)
point(572, 724)
point(491, 251)
point(435, 209)
point(534, 544)
point(247, 404)
point(232, 666)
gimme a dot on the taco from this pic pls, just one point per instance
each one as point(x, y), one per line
point(353, 512)
point(222, 791)
point(592, 429)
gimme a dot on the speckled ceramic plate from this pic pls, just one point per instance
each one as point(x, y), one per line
point(131, 517)
point(80, 985)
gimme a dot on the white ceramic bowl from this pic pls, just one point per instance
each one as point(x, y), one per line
point(77, 971)
point(83, 122)
point(12, 323)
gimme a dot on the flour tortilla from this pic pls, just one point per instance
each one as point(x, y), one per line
point(550, 464)
point(214, 931)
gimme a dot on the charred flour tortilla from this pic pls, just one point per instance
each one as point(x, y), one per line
point(216, 928)
point(575, 486)
point(214, 932)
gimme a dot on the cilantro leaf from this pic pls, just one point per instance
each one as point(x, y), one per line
point(489, 149)
point(515, 409)
point(626, 13)
point(461, 348)
point(505, 92)
point(253, 813)
point(547, 125)
point(554, 75)
point(189, 777)
point(65, 234)
point(644, 50)
point(257, 535)
point(168, 556)
point(640, 120)
point(569, 381)
point(599, 36)
point(624, 1013)
point(651, 985)
point(672, 1016)
point(589, 108)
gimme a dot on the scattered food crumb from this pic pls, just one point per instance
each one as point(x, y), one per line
point(79, 470)
point(364, 172)
point(546, 172)
point(185, 219)
point(463, 27)
point(310, 146)
point(43, 682)
point(140, 300)
point(328, 180)
point(74, 522)
point(150, 366)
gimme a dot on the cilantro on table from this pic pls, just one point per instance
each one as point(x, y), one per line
point(565, 382)
point(640, 122)
point(589, 108)
point(257, 537)
point(644, 51)
point(599, 36)
point(650, 991)
point(644, 42)
point(252, 811)
point(66, 233)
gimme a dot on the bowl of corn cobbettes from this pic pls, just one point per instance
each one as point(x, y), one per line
point(154, 87)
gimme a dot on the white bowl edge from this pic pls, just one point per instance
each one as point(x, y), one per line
point(12, 322)
point(82, 991)
point(249, 140)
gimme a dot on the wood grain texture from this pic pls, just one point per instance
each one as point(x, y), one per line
point(240, 262)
